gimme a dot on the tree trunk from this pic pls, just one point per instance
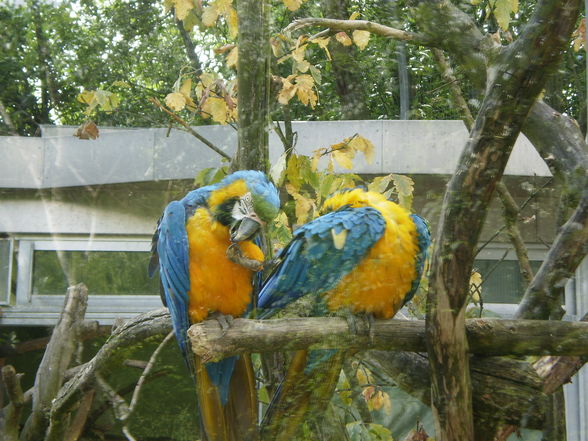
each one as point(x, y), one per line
point(345, 69)
point(253, 85)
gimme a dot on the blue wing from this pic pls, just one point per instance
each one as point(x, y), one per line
point(311, 263)
point(424, 241)
point(172, 248)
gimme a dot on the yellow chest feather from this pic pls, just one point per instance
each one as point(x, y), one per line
point(216, 283)
point(380, 282)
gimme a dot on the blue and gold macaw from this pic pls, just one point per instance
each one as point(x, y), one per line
point(197, 246)
point(366, 256)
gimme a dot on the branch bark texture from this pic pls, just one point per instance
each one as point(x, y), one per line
point(515, 79)
point(485, 336)
point(55, 361)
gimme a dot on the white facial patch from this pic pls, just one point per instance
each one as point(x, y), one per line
point(243, 207)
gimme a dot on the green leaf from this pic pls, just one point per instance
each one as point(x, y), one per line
point(404, 186)
point(380, 183)
point(503, 10)
point(277, 170)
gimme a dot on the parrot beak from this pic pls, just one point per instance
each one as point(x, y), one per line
point(245, 229)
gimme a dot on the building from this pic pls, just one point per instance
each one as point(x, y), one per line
point(74, 210)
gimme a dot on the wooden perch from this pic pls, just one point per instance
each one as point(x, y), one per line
point(485, 336)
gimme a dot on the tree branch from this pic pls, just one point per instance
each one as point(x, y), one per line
point(363, 25)
point(516, 78)
point(485, 336)
point(189, 129)
point(153, 323)
point(505, 390)
point(55, 361)
point(511, 216)
point(11, 422)
point(542, 298)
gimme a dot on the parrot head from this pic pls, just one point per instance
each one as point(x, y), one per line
point(245, 201)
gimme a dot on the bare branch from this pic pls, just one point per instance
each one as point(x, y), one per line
point(131, 332)
point(12, 413)
point(146, 373)
point(456, 91)
point(517, 77)
point(7, 119)
point(363, 25)
point(542, 297)
point(56, 360)
point(485, 336)
point(78, 423)
point(511, 216)
point(189, 129)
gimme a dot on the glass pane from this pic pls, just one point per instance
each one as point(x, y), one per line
point(5, 267)
point(103, 272)
point(502, 281)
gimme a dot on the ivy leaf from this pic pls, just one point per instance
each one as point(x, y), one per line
point(288, 90)
point(209, 15)
point(305, 91)
point(361, 39)
point(293, 5)
point(404, 186)
point(343, 158)
point(502, 11)
point(233, 57)
point(88, 130)
point(364, 145)
point(277, 170)
point(298, 53)
point(182, 7)
point(175, 101)
point(380, 183)
point(217, 109)
point(232, 22)
point(343, 38)
point(303, 205)
point(475, 286)
point(323, 43)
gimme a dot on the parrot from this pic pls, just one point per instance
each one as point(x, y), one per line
point(365, 256)
point(206, 258)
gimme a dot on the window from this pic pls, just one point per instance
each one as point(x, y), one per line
point(103, 272)
point(6, 246)
point(502, 281)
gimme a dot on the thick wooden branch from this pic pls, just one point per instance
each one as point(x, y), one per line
point(485, 336)
point(541, 299)
point(516, 77)
point(505, 390)
point(55, 362)
point(360, 25)
point(152, 324)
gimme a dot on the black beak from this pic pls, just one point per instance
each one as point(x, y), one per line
point(244, 230)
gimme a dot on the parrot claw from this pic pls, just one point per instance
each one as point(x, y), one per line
point(235, 255)
point(225, 321)
point(365, 328)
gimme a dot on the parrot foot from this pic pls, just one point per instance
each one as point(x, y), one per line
point(235, 255)
point(361, 324)
point(224, 320)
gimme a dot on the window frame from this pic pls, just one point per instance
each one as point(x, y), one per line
point(44, 309)
point(5, 300)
